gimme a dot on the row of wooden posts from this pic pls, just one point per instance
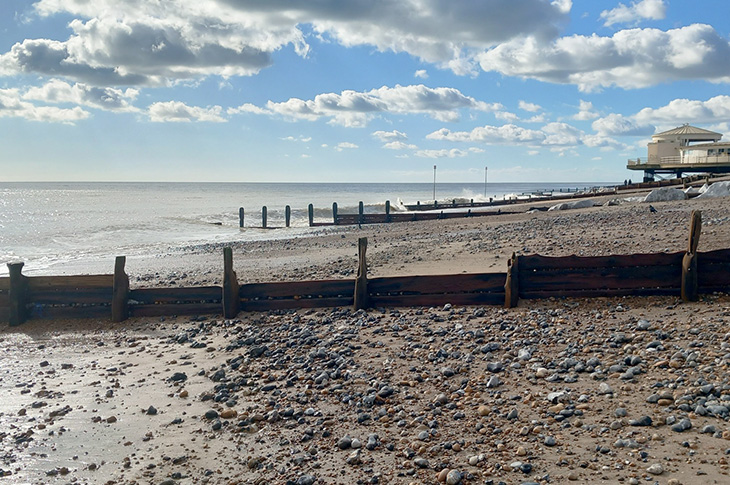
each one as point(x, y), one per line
point(686, 274)
point(362, 218)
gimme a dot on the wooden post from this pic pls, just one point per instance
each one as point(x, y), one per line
point(18, 294)
point(360, 211)
point(512, 285)
point(387, 211)
point(240, 217)
point(287, 216)
point(311, 215)
point(690, 284)
point(361, 283)
point(231, 300)
point(120, 291)
point(334, 212)
point(263, 216)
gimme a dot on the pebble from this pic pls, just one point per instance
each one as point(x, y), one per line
point(454, 477)
point(655, 469)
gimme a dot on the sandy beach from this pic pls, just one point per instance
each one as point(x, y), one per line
point(606, 390)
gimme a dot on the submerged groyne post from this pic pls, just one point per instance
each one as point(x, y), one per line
point(360, 301)
point(264, 216)
point(387, 211)
point(311, 215)
point(230, 299)
point(334, 212)
point(361, 212)
point(17, 294)
point(120, 291)
point(287, 216)
point(240, 217)
point(690, 285)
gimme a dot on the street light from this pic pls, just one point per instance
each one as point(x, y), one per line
point(485, 182)
point(434, 183)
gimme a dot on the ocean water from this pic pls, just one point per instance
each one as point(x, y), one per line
point(43, 224)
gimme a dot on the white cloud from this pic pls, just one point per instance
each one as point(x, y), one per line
point(678, 111)
point(491, 135)
point(176, 111)
point(452, 153)
point(13, 106)
point(399, 145)
point(59, 92)
point(247, 108)
point(531, 107)
point(506, 116)
point(345, 145)
point(390, 135)
point(585, 112)
point(619, 125)
point(356, 109)
point(629, 59)
point(138, 42)
point(303, 139)
point(421, 74)
point(645, 9)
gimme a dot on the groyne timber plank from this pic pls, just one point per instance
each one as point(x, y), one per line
point(287, 304)
point(439, 284)
point(537, 295)
point(601, 278)
point(321, 288)
point(62, 312)
point(175, 309)
point(470, 299)
point(171, 295)
point(83, 281)
point(535, 261)
point(4, 314)
point(64, 296)
point(720, 256)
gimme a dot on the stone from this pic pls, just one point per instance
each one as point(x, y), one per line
point(655, 469)
point(454, 477)
point(483, 410)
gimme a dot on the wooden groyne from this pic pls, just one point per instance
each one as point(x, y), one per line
point(687, 274)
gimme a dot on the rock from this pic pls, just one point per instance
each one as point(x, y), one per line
point(442, 475)
point(178, 377)
point(604, 388)
point(454, 477)
point(683, 425)
point(493, 382)
point(421, 462)
point(151, 411)
point(655, 469)
point(211, 414)
point(344, 443)
point(228, 414)
point(541, 373)
point(483, 410)
point(549, 441)
point(642, 421)
point(354, 458)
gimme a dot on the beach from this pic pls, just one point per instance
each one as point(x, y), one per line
point(602, 390)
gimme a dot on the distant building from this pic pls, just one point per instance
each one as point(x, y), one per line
point(685, 149)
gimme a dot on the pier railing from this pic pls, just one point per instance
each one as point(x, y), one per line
point(687, 274)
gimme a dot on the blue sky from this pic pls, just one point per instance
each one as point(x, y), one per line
point(352, 91)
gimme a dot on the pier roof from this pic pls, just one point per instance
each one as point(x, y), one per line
point(690, 132)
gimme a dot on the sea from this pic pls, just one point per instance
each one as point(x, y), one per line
point(47, 224)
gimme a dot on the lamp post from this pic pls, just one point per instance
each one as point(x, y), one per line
point(485, 182)
point(434, 183)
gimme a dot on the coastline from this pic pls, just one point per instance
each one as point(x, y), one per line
point(397, 373)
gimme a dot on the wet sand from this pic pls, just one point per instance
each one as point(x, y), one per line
point(606, 390)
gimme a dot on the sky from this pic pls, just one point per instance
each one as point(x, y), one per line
point(353, 90)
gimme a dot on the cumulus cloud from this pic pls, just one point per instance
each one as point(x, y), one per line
point(12, 105)
point(619, 125)
point(585, 111)
point(176, 111)
point(421, 74)
point(678, 111)
point(530, 107)
point(637, 11)
point(345, 145)
point(356, 109)
point(59, 92)
point(399, 145)
point(445, 153)
point(390, 135)
point(491, 135)
point(138, 42)
point(631, 58)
